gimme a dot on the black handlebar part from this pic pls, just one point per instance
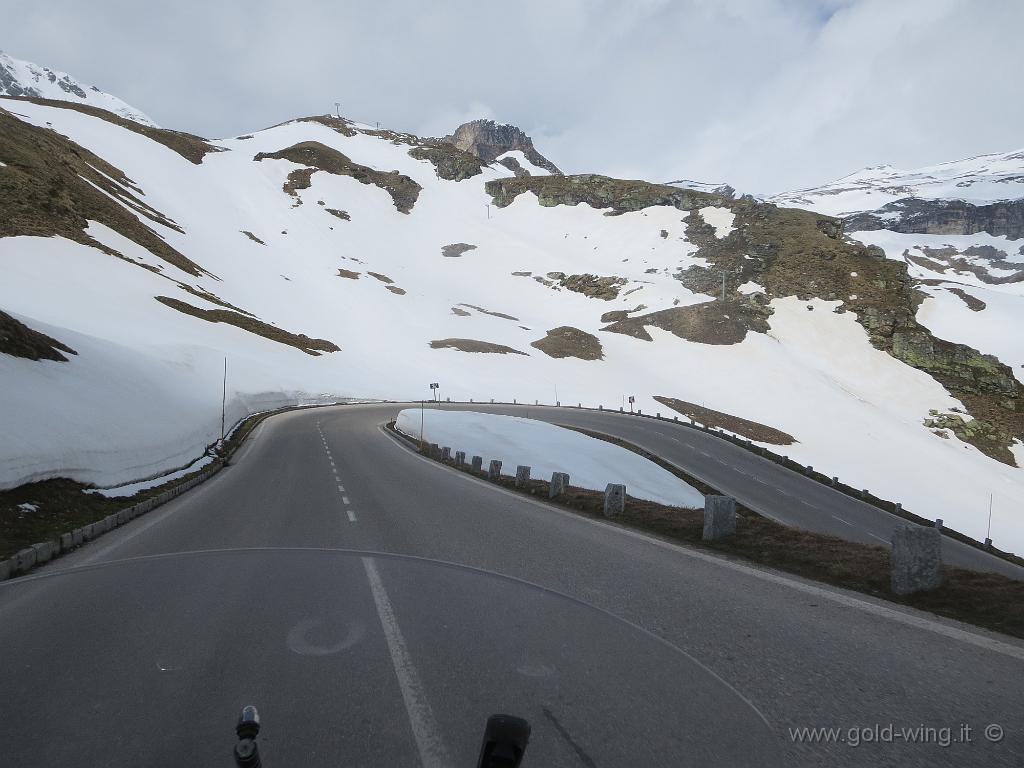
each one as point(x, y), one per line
point(247, 753)
point(505, 740)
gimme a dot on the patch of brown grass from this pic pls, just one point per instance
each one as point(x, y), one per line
point(566, 341)
point(18, 340)
point(248, 323)
point(751, 430)
point(473, 345)
point(348, 273)
point(192, 148)
point(712, 322)
point(53, 187)
point(973, 302)
point(319, 157)
point(483, 311)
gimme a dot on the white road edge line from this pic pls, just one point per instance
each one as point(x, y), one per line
point(433, 753)
point(344, 499)
point(351, 516)
point(901, 617)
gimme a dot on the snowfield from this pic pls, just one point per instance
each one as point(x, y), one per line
point(142, 396)
point(547, 448)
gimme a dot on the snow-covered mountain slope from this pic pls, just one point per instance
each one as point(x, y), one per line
point(959, 229)
point(23, 78)
point(328, 259)
point(977, 180)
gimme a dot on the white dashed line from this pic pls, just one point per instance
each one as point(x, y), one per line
point(869, 533)
point(429, 743)
point(344, 499)
point(351, 516)
point(844, 522)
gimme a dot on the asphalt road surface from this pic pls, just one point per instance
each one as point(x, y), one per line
point(139, 648)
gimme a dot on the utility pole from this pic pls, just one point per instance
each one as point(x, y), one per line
point(223, 401)
point(488, 212)
point(421, 425)
point(337, 109)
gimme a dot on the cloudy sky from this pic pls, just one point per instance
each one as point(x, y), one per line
point(768, 95)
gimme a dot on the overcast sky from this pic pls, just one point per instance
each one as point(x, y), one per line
point(768, 95)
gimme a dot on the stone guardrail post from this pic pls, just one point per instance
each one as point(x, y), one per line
point(478, 463)
point(614, 499)
point(719, 517)
point(522, 476)
point(494, 469)
point(460, 458)
point(446, 453)
point(916, 559)
point(559, 484)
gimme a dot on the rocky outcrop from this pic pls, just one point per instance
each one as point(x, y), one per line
point(450, 162)
point(725, 190)
point(943, 217)
point(489, 140)
point(617, 195)
point(592, 286)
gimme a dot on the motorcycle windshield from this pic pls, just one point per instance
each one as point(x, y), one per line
point(352, 659)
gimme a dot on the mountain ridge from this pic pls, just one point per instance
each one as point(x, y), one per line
point(23, 78)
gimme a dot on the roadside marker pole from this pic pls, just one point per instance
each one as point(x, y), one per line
point(223, 401)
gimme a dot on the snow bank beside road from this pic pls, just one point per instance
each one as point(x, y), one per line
point(546, 448)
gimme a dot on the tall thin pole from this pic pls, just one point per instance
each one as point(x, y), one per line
point(988, 534)
point(723, 285)
point(223, 401)
point(421, 424)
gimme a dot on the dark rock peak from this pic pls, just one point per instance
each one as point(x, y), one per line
point(943, 217)
point(489, 140)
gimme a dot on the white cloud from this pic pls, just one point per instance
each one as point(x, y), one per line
point(764, 94)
